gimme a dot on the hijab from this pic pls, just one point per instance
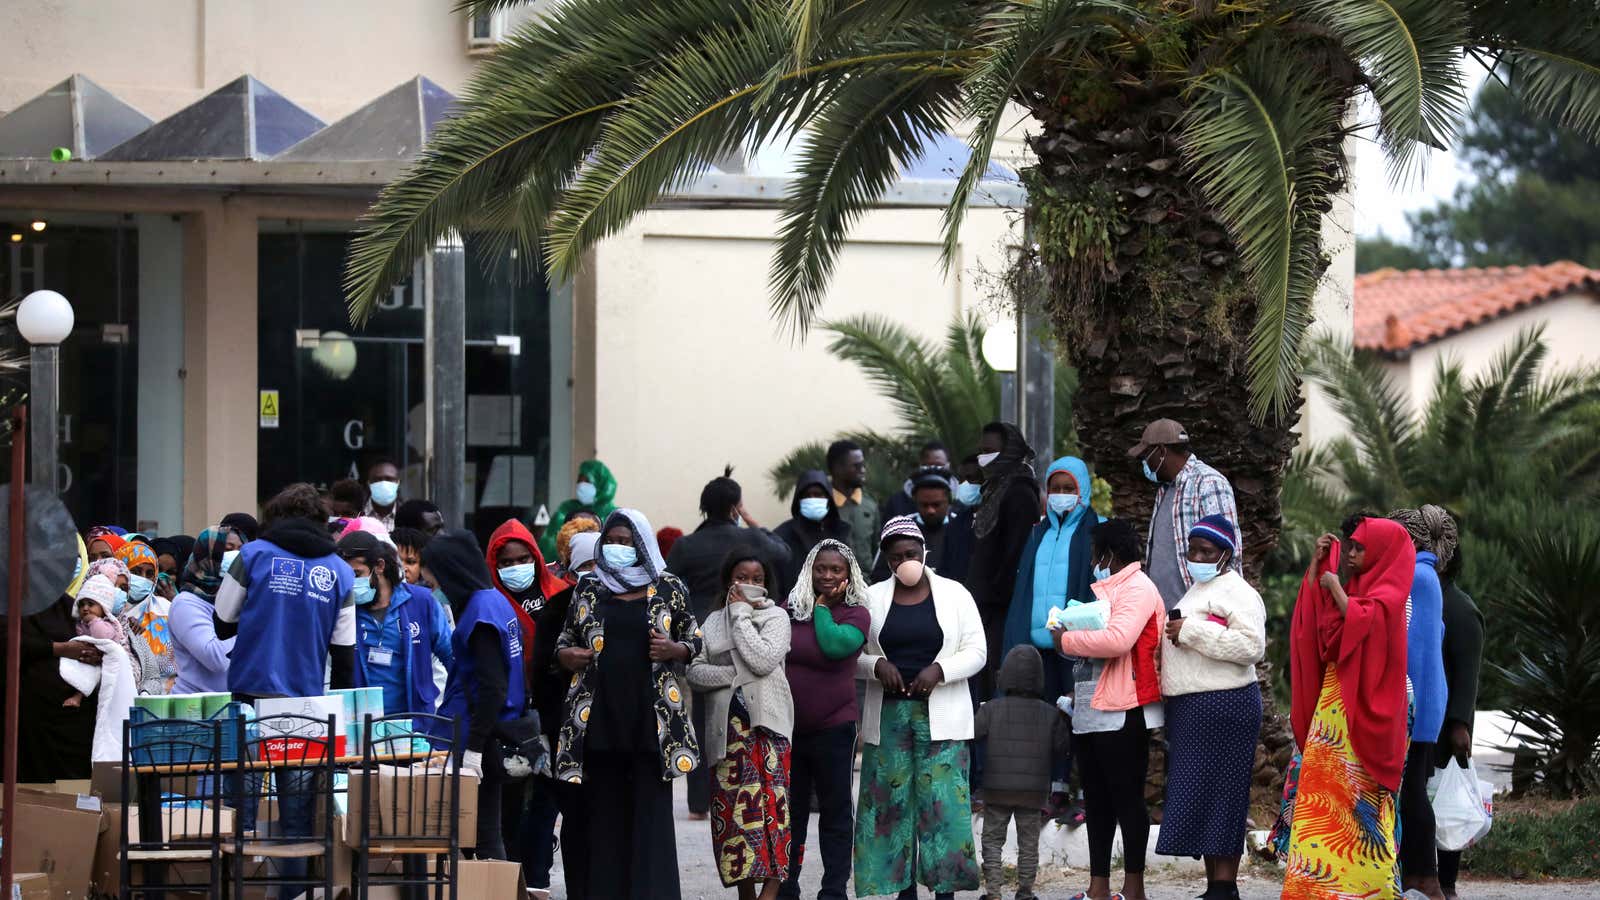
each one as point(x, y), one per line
point(1366, 644)
point(1014, 465)
point(646, 570)
point(202, 574)
point(105, 534)
point(803, 599)
point(458, 566)
point(135, 553)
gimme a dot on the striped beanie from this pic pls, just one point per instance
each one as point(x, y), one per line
point(1218, 530)
point(899, 527)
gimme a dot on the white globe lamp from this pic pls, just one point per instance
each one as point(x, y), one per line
point(335, 355)
point(44, 318)
point(1000, 346)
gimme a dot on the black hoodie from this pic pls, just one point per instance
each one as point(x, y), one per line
point(801, 534)
point(458, 566)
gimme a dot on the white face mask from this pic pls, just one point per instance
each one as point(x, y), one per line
point(984, 459)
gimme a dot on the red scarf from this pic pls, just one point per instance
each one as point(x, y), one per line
point(1367, 645)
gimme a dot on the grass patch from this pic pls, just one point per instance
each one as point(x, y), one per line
point(1534, 838)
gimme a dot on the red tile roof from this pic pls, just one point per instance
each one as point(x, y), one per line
point(1396, 310)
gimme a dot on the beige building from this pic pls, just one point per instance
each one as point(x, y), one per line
point(200, 227)
point(1415, 320)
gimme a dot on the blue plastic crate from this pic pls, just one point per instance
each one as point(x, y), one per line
point(150, 736)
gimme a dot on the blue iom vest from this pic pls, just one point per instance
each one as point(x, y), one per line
point(291, 606)
point(486, 607)
point(414, 619)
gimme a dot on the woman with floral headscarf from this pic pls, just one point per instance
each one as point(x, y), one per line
point(146, 617)
point(102, 543)
point(202, 657)
point(627, 732)
point(829, 623)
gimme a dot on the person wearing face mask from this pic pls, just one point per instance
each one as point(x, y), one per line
point(933, 455)
point(697, 558)
point(914, 816)
point(57, 741)
point(967, 492)
point(171, 555)
point(383, 491)
point(202, 656)
point(146, 618)
point(1215, 637)
point(947, 529)
point(400, 631)
point(750, 717)
point(1007, 510)
point(626, 731)
point(813, 518)
point(1187, 490)
point(595, 493)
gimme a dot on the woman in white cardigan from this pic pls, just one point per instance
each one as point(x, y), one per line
point(749, 719)
point(1215, 636)
point(914, 818)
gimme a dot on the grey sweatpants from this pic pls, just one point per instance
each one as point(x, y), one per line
point(995, 821)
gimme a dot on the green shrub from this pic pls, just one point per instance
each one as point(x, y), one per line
point(1546, 840)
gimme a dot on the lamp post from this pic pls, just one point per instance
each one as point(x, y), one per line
point(45, 320)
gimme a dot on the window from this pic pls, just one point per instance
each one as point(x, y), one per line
point(485, 31)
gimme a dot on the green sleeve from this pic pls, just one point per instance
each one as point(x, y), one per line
point(835, 641)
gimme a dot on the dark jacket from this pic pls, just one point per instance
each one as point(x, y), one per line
point(801, 534)
point(1463, 656)
point(992, 574)
point(949, 550)
point(697, 558)
point(1021, 734)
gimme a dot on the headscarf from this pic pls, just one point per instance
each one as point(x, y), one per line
point(803, 598)
point(582, 550)
point(457, 564)
point(1366, 644)
point(1012, 466)
point(648, 568)
point(103, 533)
point(243, 523)
point(202, 573)
point(177, 546)
point(135, 553)
point(1431, 528)
point(573, 528)
point(82, 571)
point(605, 495)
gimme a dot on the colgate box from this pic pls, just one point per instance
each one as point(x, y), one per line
point(296, 740)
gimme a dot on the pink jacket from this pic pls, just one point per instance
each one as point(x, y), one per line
point(1134, 600)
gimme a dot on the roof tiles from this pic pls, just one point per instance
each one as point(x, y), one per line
point(1397, 311)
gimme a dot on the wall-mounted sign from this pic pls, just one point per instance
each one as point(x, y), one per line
point(269, 409)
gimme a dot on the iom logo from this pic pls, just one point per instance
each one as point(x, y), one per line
point(321, 578)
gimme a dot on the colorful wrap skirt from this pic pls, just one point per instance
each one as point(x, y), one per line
point(750, 802)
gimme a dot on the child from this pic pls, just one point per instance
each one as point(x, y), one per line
point(1021, 734)
point(95, 598)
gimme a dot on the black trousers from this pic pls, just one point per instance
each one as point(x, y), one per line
point(630, 817)
point(699, 780)
point(1112, 767)
point(822, 760)
point(573, 802)
point(1417, 851)
point(492, 790)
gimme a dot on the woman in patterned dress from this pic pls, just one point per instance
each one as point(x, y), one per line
point(1348, 665)
point(627, 733)
point(749, 719)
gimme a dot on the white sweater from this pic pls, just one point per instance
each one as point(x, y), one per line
point(961, 656)
point(1210, 656)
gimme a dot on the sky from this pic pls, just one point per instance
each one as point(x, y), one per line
point(1381, 206)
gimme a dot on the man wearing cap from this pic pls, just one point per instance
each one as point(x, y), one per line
point(1187, 490)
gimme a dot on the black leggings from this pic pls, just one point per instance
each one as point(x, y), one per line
point(1112, 767)
point(1417, 859)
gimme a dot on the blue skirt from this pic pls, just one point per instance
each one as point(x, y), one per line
point(1211, 751)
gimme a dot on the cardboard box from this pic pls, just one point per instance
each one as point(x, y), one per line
point(106, 876)
point(187, 823)
point(489, 878)
point(56, 836)
point(289, 741)
point(413, 801)
point(106, 780)
point(30, 886)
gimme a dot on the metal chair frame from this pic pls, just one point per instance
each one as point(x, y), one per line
point(312, 776)
point(194, 753)
point(440, 840)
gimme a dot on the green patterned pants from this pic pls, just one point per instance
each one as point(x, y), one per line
point(915, 804)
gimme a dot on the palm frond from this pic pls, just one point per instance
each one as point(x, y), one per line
point(1263, 141)
point(1378, 414)
point(1411, 50)
point(900, 364)
point(1552, 51)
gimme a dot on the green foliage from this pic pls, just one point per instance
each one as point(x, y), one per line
point(1384, 252)
point(1549, 840)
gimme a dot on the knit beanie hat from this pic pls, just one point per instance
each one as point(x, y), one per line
point(1218, 530)
point(99, 589)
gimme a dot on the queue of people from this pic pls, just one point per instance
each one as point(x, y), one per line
point(758, 663)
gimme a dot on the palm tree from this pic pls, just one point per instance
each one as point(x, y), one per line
point(942, 391)
point(1186, 153)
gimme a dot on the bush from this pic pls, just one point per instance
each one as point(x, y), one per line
point(1540, 840)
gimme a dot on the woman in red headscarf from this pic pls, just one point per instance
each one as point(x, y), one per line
point(1347, 658)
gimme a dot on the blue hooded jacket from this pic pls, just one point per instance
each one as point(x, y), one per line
point(1055, 563)
point(416, 629)
point(1425, 648)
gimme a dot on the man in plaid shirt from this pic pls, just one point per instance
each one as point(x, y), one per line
point(1187, 491)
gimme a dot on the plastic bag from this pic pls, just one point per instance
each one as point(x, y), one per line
point(1460, 810)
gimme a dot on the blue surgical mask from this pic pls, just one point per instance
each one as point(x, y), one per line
point(519, 578)
point(119, 601)
point(1101, 573)
point(619, 556)
point(1202, 572)
point(944, 521)
point(968, 493)
point(362, 591)
point(77, 569)
point(1061, 504)
point(814, 508)
point(226, 565)
point(585, 493)
point(384, 493)
point(1150, 473)
point(139, 587)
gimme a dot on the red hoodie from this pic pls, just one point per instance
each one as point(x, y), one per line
point(549, 585)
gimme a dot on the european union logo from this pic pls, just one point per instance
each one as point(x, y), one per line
point(284, 567)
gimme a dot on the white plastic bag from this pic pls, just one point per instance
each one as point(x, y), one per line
point(1459, 809)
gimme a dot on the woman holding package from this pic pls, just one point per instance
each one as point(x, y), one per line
point(1117, 700)
point(914, 819)
point(749, 717)
point(1347, 662)
point(1215, 636)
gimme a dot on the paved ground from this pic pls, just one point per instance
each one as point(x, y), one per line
point(699, 879)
